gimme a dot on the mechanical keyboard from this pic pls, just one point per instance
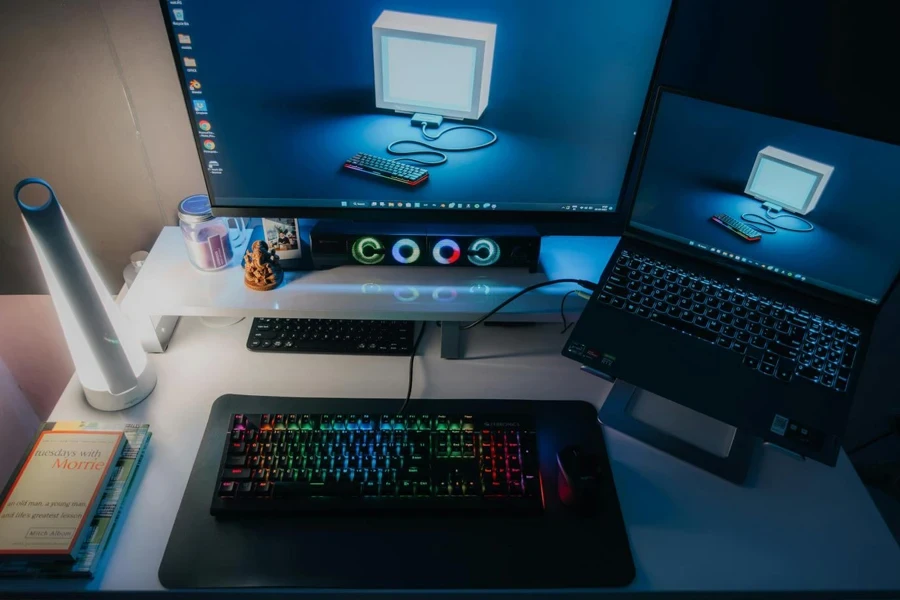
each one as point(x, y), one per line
point(332, 336)
point(775, 339)
point(298, 463)
point(386, 168)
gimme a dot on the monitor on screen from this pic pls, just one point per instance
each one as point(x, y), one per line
point(483, 108)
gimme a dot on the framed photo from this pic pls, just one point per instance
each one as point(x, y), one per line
point(282, 237)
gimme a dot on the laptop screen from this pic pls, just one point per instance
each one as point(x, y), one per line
point(802, 202)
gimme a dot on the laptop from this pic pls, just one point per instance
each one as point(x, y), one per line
point(756, 258)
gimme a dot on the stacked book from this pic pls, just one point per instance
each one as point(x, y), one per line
point(60, 507)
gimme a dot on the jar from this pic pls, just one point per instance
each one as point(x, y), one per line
point(207, 238)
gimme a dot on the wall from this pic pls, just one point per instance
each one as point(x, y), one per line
point(89, 101)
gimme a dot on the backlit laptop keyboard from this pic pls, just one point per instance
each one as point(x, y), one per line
point(774, 338)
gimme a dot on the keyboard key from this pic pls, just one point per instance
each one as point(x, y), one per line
point(724, 342)
point(739, 347)
point(785, 370)
point(692, 329)
point(766, 369)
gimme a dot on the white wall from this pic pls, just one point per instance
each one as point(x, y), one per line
point(90, 101)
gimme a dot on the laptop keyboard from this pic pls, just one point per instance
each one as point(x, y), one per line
point(774, 338)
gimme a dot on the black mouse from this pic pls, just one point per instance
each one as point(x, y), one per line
point(579, 480)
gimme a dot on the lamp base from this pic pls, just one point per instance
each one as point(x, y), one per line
point(103, 400)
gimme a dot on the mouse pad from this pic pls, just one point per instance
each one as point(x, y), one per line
point(558, 549)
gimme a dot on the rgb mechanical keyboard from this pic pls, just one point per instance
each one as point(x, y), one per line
point(296, 463)
point(386, 168)
point(332, 336)
point(775, 339)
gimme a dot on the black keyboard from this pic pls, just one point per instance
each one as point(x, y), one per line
point(774, 338)
point(296, 463)
point(332, 336)
point(386, 168)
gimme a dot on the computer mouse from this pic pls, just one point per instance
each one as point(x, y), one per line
point(579, 480)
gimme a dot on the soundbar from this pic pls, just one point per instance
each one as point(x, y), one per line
point(335, 244)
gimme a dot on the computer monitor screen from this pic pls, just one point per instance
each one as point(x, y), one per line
point(487, 106)
point(829, 199)
point(788, 181)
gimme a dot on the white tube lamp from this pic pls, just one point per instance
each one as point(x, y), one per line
point(110, 363)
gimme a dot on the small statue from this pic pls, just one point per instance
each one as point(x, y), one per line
point(261, 269)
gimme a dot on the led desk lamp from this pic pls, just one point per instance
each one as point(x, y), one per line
point(109, 361)
point(783, 181)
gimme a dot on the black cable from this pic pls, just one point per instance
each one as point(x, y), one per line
point(437, 150)
point(875, 439)
point(768, 221)
point(582, 282)
point(412, 361)
point(562, 311)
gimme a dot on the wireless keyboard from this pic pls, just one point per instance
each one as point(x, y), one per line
point(297, 463)
point(386, 168)
point(332, 336)
point(775, 339)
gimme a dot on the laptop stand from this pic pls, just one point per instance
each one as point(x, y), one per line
point(677, 430)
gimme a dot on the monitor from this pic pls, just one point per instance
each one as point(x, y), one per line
point(412, 111)
point(432, 64)
point(787, 181)
point(695, 168)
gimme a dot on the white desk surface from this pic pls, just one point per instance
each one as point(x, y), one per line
point(168, 285)
point(793, 526)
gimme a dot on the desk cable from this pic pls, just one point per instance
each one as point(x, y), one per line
point(582, 282)
point(432, 150)
point(412, 361)
point(766, 223)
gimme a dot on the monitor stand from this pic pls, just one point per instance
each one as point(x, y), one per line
point(677, 430)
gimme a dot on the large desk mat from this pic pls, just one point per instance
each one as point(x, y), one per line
point(558, 549)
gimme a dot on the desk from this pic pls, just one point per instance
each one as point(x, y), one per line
point(793, 526)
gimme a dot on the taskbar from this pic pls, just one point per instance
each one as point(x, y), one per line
point(416, 205)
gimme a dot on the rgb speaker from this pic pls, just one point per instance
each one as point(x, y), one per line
point(357, 244)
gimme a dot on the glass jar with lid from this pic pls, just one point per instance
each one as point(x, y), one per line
point(207, 238)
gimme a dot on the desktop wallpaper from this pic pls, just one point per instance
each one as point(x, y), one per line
point(283, 94)
point(700, 157)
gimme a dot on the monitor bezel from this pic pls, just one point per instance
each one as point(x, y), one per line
point(807, 289)
point(546, 222)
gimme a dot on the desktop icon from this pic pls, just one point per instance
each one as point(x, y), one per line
point(209, 145)
point(743, 259)
point(493, 206)
point(691, 243)
point(190, 62)
point(486, 206)
point(769, 268)
point(391, 204)
point(194, 85)
point(408, 205)
point(204, 125)
point(374, 204)
point(453, 205)
point(477, 206)
point(178, 13)
point(417, 204)
point(200, 106)
point(213, 164)
point(443, 206)
point(184, 39)
point(343, 203)
point(381, 204)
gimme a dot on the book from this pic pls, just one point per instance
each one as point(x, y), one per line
point(137, 438)
point(54, 493)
